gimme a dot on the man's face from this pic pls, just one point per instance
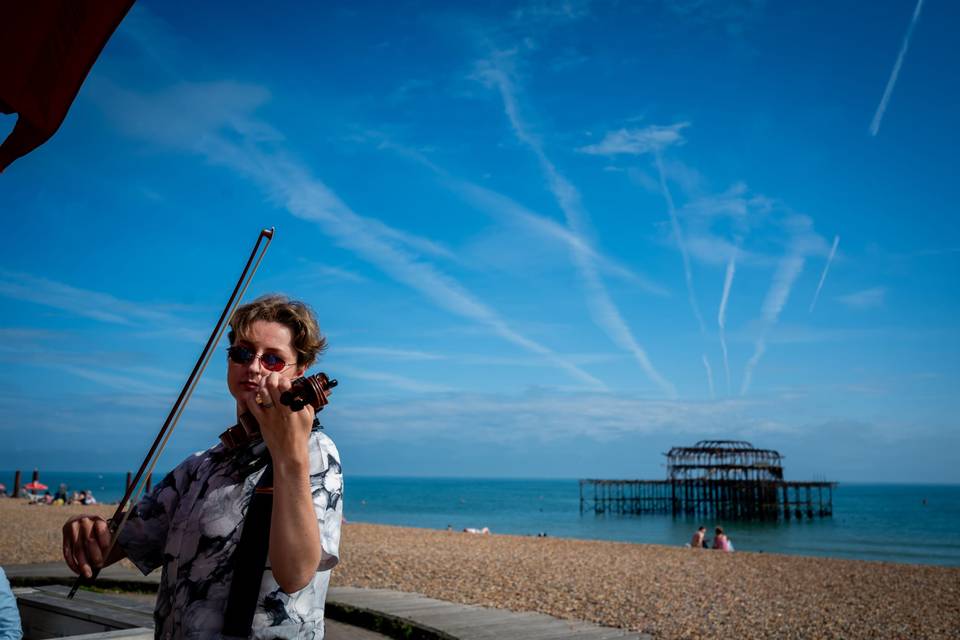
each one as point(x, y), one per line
point(263, 338)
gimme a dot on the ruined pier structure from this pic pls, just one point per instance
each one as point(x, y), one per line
point(724, 478)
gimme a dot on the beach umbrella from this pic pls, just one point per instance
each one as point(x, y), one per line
point(35, 486)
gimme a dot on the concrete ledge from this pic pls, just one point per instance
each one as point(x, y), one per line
point(45, 612)
point(47, 573)
point(124, 634)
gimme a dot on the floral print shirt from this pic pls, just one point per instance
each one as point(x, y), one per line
point(190, 525)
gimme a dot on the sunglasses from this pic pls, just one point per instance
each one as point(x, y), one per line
point(244, 355)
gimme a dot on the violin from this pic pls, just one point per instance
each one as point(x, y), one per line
point(311, 390)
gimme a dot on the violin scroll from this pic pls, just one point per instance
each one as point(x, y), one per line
point(312, 390)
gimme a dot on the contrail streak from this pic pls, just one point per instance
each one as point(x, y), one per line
point(722, 315)
point(823, 276)
point(687, 270)
point(500, 206)
point(787, 273)
point(602, 308)
point(290, 185)
point(706, 365)
point(759, 349)
point(681, 243)
point(882, 107)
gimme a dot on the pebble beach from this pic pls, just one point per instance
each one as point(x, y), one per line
point(669, 592)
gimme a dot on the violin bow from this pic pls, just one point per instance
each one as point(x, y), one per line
point(119, 518)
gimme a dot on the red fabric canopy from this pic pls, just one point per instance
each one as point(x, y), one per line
point(46, 50)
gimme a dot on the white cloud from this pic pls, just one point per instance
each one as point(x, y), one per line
point(402, 382)
point(390, 353)
point(736, 203)
point(865, 299)
point(86, 303)
point(547, 414)
point(127, 382)
point(638, 141)
point(184, 114)
point(339, 274)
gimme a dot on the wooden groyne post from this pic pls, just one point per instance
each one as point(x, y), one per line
point(130, 480)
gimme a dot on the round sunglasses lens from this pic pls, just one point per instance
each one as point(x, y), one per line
point(240, 355)
point(272, 362)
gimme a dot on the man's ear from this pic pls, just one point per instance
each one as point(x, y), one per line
point(300, 371)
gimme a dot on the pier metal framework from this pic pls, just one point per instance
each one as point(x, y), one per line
point(724, 478)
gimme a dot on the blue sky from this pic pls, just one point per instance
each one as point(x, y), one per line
point(544, 239)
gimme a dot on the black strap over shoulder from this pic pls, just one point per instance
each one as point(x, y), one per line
point(249, 560)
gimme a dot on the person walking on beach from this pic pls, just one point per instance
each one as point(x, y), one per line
point(192, 521)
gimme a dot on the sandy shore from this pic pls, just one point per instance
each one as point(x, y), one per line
point(668, 592)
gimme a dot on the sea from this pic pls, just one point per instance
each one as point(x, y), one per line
point(911, 523)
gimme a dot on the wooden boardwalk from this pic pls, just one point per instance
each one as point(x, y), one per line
point(446, 620)
point(393, 613)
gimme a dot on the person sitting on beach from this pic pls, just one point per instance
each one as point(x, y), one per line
point(720, 540)
point(699, 538)
point(191, 522)
point(88, 497)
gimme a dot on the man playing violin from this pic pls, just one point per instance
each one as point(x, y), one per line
point(191, 523)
